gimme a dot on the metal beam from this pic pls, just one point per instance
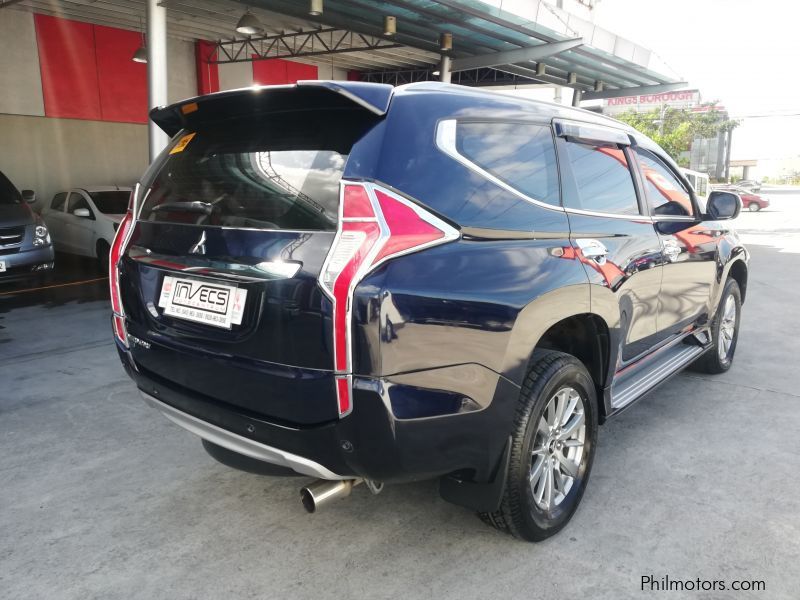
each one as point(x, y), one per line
point(510, 57)
point(531, 74)
point(635, 91)
point(320, 42)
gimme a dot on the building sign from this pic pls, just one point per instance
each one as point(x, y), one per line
point(648, 102)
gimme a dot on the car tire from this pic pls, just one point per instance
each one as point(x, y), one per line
point(539, 453)
point(102, 256)
point(754, 207)
point(724, 332)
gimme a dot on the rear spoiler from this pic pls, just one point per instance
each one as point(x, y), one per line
point(304, 95)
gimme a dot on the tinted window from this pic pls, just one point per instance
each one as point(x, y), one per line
point(58, 201)
point(666, 194)
point(247, 178)
point(601, 179)
point(8, 193)
point(111, 203)
point(76, 201)
point(521, 155)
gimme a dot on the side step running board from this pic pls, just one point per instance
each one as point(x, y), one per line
point(636, 384)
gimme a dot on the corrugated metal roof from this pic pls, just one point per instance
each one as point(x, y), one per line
point(478, 28)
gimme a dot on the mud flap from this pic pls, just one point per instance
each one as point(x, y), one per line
point(482, 497)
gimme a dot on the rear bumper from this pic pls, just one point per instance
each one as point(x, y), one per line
point(27, 263)
point(370, 442)
point(240, 444)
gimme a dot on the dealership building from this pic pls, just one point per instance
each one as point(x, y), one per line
point(79, 77)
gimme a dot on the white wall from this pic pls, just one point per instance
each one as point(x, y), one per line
point(181, 70)
point(20, 79)
point(49, 155)
point(235, 75)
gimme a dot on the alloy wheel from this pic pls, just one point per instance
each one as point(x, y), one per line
point(558, 448)
point(727, 328)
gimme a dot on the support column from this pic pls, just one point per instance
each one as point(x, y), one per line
point(444, 69)
point(156, 71)
point(576, 97)
point(728, 159)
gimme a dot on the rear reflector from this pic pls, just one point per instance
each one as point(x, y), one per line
point(343, 394)
point(376, 225)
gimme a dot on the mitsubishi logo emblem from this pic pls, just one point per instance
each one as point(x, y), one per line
point(200, 246)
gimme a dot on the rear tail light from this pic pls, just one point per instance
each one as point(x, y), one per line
point(117, 249)
point(375, 225)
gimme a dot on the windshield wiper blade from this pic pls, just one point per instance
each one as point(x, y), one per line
point(196, 206)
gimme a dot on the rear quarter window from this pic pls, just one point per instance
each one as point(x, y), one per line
point(522, 155)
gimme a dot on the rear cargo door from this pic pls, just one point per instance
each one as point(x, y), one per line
point(219, 279)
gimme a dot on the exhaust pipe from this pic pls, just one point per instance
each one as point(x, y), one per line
point(323, 491)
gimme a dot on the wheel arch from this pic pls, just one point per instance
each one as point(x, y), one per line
point(563, 320)
point(737, 270)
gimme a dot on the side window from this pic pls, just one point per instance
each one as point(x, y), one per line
point(521, 155)
point(58, 201)
point(601, 178)
point(666, 195)
point(76, 201)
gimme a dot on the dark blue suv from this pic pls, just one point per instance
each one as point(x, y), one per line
point(362, 283)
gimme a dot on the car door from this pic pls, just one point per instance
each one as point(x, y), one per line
point(79, 230)
point(54, 219)
point(689, 245)
point(610, 232)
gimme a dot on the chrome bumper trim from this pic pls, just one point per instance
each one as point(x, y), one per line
point(242, 445)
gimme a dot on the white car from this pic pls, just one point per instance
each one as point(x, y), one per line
point(83, 220)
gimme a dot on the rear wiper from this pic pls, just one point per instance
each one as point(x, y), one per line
point(196, 206)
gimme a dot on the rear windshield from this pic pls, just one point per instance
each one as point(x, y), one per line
point(254, 177)
point(8, 193)
point(111, 203)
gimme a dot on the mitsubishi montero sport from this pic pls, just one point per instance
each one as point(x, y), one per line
point(367, 284)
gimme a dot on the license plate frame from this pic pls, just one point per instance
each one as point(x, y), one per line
point(198, 301)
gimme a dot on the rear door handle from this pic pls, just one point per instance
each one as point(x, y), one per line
point(593, 249)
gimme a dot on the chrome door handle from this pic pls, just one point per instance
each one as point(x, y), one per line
point(593, 249)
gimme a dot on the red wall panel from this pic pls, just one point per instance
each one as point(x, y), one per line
point(122, 82)
point(207, 73)
point(68, 67)
point(296, 71)
point(276, 71)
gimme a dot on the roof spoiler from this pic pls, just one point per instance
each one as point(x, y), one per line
point(257, 100)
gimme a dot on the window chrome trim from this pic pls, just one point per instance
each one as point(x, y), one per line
point(446, 142)
point(606, 215)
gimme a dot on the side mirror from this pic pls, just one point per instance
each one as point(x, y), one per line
point(84, 213)
point(29, 196)
point(723, 205)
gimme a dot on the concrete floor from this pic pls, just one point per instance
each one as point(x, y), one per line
point(101, 497)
